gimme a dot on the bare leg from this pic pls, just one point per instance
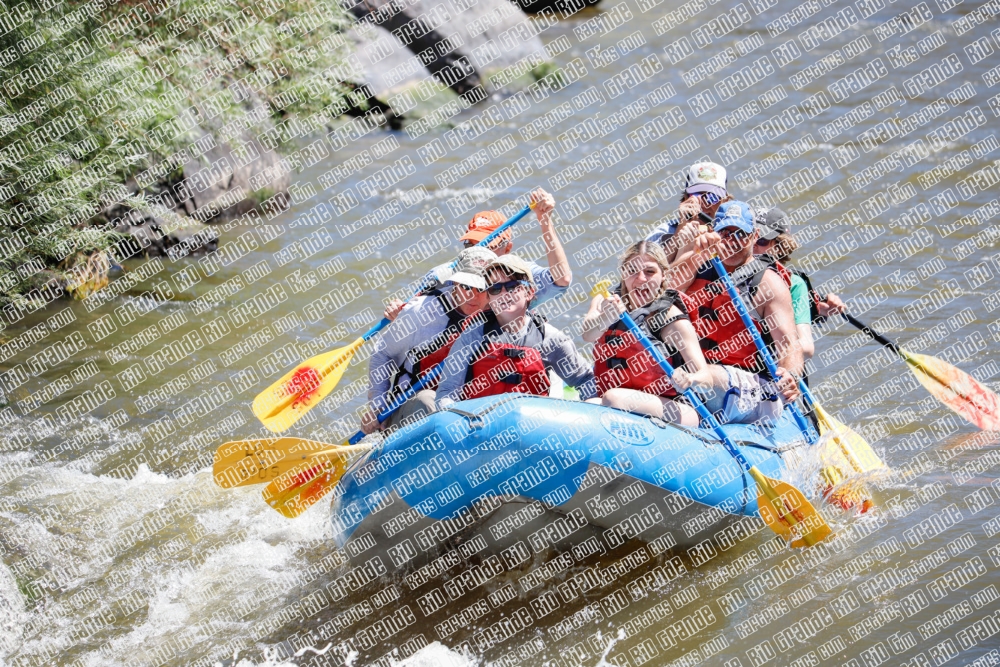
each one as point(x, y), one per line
point(649, 404)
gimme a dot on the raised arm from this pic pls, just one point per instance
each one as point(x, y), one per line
point(685, 267)
point(545, 204)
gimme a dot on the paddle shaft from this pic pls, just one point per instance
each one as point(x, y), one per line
point(892, 346)
point(772, 367)
point(486, 241)
point(688, 393)
point(872, 333)
point(410, 392)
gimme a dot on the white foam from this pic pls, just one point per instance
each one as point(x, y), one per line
point(13, 615)
point(208, 547)
point(436, 654)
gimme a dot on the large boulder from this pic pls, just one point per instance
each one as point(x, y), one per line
point(220, 184)
point(397, 48)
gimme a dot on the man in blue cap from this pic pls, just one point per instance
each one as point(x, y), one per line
point(764, 286)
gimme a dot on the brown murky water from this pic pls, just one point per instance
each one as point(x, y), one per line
point(118, 548)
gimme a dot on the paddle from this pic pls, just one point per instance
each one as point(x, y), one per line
point(854, 450)
point(246, 462)
point(298, 391)
point(299, 488)
point(955, 388)
point(783, 508)
point(741, 308)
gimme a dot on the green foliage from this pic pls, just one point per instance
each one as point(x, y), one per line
point(93, 94)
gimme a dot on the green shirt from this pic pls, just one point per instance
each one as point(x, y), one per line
point(800, 301)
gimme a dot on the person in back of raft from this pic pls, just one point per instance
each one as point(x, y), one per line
point(777, 241)
point(512, 350)
point(752, 395)
point(705, 189)
point(421, 337)
point(627, 377)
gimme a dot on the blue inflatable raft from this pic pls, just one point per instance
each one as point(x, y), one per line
point(515, 475)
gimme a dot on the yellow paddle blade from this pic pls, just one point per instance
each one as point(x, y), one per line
point(304, 485)
point(845, 454)
point(956, 389)
point(845, 447)
point(601, 288)
point(298, 391)
point(246, 462)
point(787, 512)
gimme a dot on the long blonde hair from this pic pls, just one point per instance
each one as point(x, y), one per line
point(652, 250)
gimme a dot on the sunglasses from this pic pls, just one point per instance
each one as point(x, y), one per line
point(763, 242)
point(497, 288)
point(709, 198)
point(732, 232)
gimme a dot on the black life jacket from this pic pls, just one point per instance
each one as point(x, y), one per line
point(620, 360)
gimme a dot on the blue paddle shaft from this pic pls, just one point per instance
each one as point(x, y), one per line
point(486, 241)
point(772, 367)
point(409, 393)
point(688, 393)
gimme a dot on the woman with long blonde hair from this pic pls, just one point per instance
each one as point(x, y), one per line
point(627, 376)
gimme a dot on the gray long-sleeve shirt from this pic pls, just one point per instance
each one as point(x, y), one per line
point(558, 352)
point(420, 321)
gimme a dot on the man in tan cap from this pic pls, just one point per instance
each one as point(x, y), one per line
point(421, 337)
point(513, 348)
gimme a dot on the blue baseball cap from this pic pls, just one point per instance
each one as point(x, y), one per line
point(734, 214)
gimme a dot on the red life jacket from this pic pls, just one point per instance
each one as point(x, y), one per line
point(724, 339)
point(620, 360)
point(502, 368)
point(429, 354)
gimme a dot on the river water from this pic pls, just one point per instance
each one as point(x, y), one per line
point(117, 547)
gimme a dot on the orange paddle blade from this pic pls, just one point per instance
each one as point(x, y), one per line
point(956, 389)
point(304, 485)
point(845, 454)
point(298, 391)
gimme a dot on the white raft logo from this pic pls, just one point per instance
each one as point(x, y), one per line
point(629, 431)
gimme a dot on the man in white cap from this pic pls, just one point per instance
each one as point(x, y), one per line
point(420, 338)
point(512, 348)
point(705, 189)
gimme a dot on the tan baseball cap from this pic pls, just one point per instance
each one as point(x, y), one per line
point(513, 264)
point(471, 267)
